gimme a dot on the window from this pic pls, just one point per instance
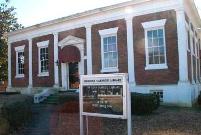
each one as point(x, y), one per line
point(109, 51)
point(155, 45)
point(158, 93)
point(20, 61)
point(43, 58)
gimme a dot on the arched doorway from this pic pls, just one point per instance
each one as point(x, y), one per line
point(71, 57)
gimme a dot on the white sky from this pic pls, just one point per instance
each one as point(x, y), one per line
point(30, 12)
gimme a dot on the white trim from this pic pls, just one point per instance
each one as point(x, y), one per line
point(56, 59)
point(89, 49)
point(108, 31)
point(16, 61)
point(20, 48)
point(43, 74)
point(70, 40)
point(19, 76)
point(182, 47)
point(155, 25)
point(30, 66)
point(130, 49)
point(104, 34)
point(43, 44)
point(109, 70)
point(40, 46)
point(111, 15)
point(156, 66)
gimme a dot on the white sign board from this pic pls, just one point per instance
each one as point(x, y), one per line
point(105, 95)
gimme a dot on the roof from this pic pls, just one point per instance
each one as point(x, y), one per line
point(88, 13)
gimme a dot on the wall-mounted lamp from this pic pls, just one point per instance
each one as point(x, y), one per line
point(199, 29)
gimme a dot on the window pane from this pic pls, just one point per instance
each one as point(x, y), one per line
point(154, 33)
point(151, 61)
point(110, 47)
point(161, 42)
point(105, 41)
point(149, 34)
point(156, 52)
point(109, 40)
point(162, 59)
point(162, 51)
point(114, 40)
point(160, 33)
point(105, 48)
point(156, 59)
point(150, 44)
point(155, 42)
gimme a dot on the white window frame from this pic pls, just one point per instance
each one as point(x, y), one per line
point(154, 25)
point(40, 45)
point(104, 34)
point(18, 50)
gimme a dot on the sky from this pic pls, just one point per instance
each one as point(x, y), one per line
point(31, 12)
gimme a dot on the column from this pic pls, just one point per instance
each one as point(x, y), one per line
point(56, 70)
point(182, 46)
point(30, 65)
point(89, 49)
point(9, 65)
point(130, 50)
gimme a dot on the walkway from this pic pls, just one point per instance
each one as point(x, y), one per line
point(48, 120)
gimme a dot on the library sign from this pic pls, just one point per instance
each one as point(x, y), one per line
point(104, 95)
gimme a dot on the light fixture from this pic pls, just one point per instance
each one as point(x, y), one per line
point(57, 62)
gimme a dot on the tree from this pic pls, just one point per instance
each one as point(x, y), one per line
point(8, 23)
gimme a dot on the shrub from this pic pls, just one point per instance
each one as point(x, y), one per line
point(199, 99)
point(4, 126)
point(68, 98)
point(142, 104)
point(17, 112)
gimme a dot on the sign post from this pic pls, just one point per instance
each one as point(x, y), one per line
point(105, 95)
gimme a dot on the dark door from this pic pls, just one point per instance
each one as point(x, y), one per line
point(73, 76)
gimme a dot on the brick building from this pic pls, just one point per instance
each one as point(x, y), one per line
point(157, 42)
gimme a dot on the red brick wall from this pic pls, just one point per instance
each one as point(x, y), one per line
point(20, 82)
point(154, 77)
point(121, 44)
point(47, 81)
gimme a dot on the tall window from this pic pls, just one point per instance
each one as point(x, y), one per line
point(43, 58)
point(155, 46)
point(19, 61)
point(109, 51)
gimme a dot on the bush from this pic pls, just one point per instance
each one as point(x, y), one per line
point(17, 112)
point(199, 99)
point(4, 126)
point(142, 104)
point(68, 98)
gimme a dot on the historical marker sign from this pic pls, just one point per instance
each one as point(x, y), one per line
point(104, 95)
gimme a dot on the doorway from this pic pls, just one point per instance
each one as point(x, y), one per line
point(73, 76)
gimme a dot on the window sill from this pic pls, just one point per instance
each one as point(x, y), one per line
point(109, 70)
point(43, 74)
point(19, 76)
point(156, 67)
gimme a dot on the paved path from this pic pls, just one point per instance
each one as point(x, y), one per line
point(40, 122)
point(47, 120)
